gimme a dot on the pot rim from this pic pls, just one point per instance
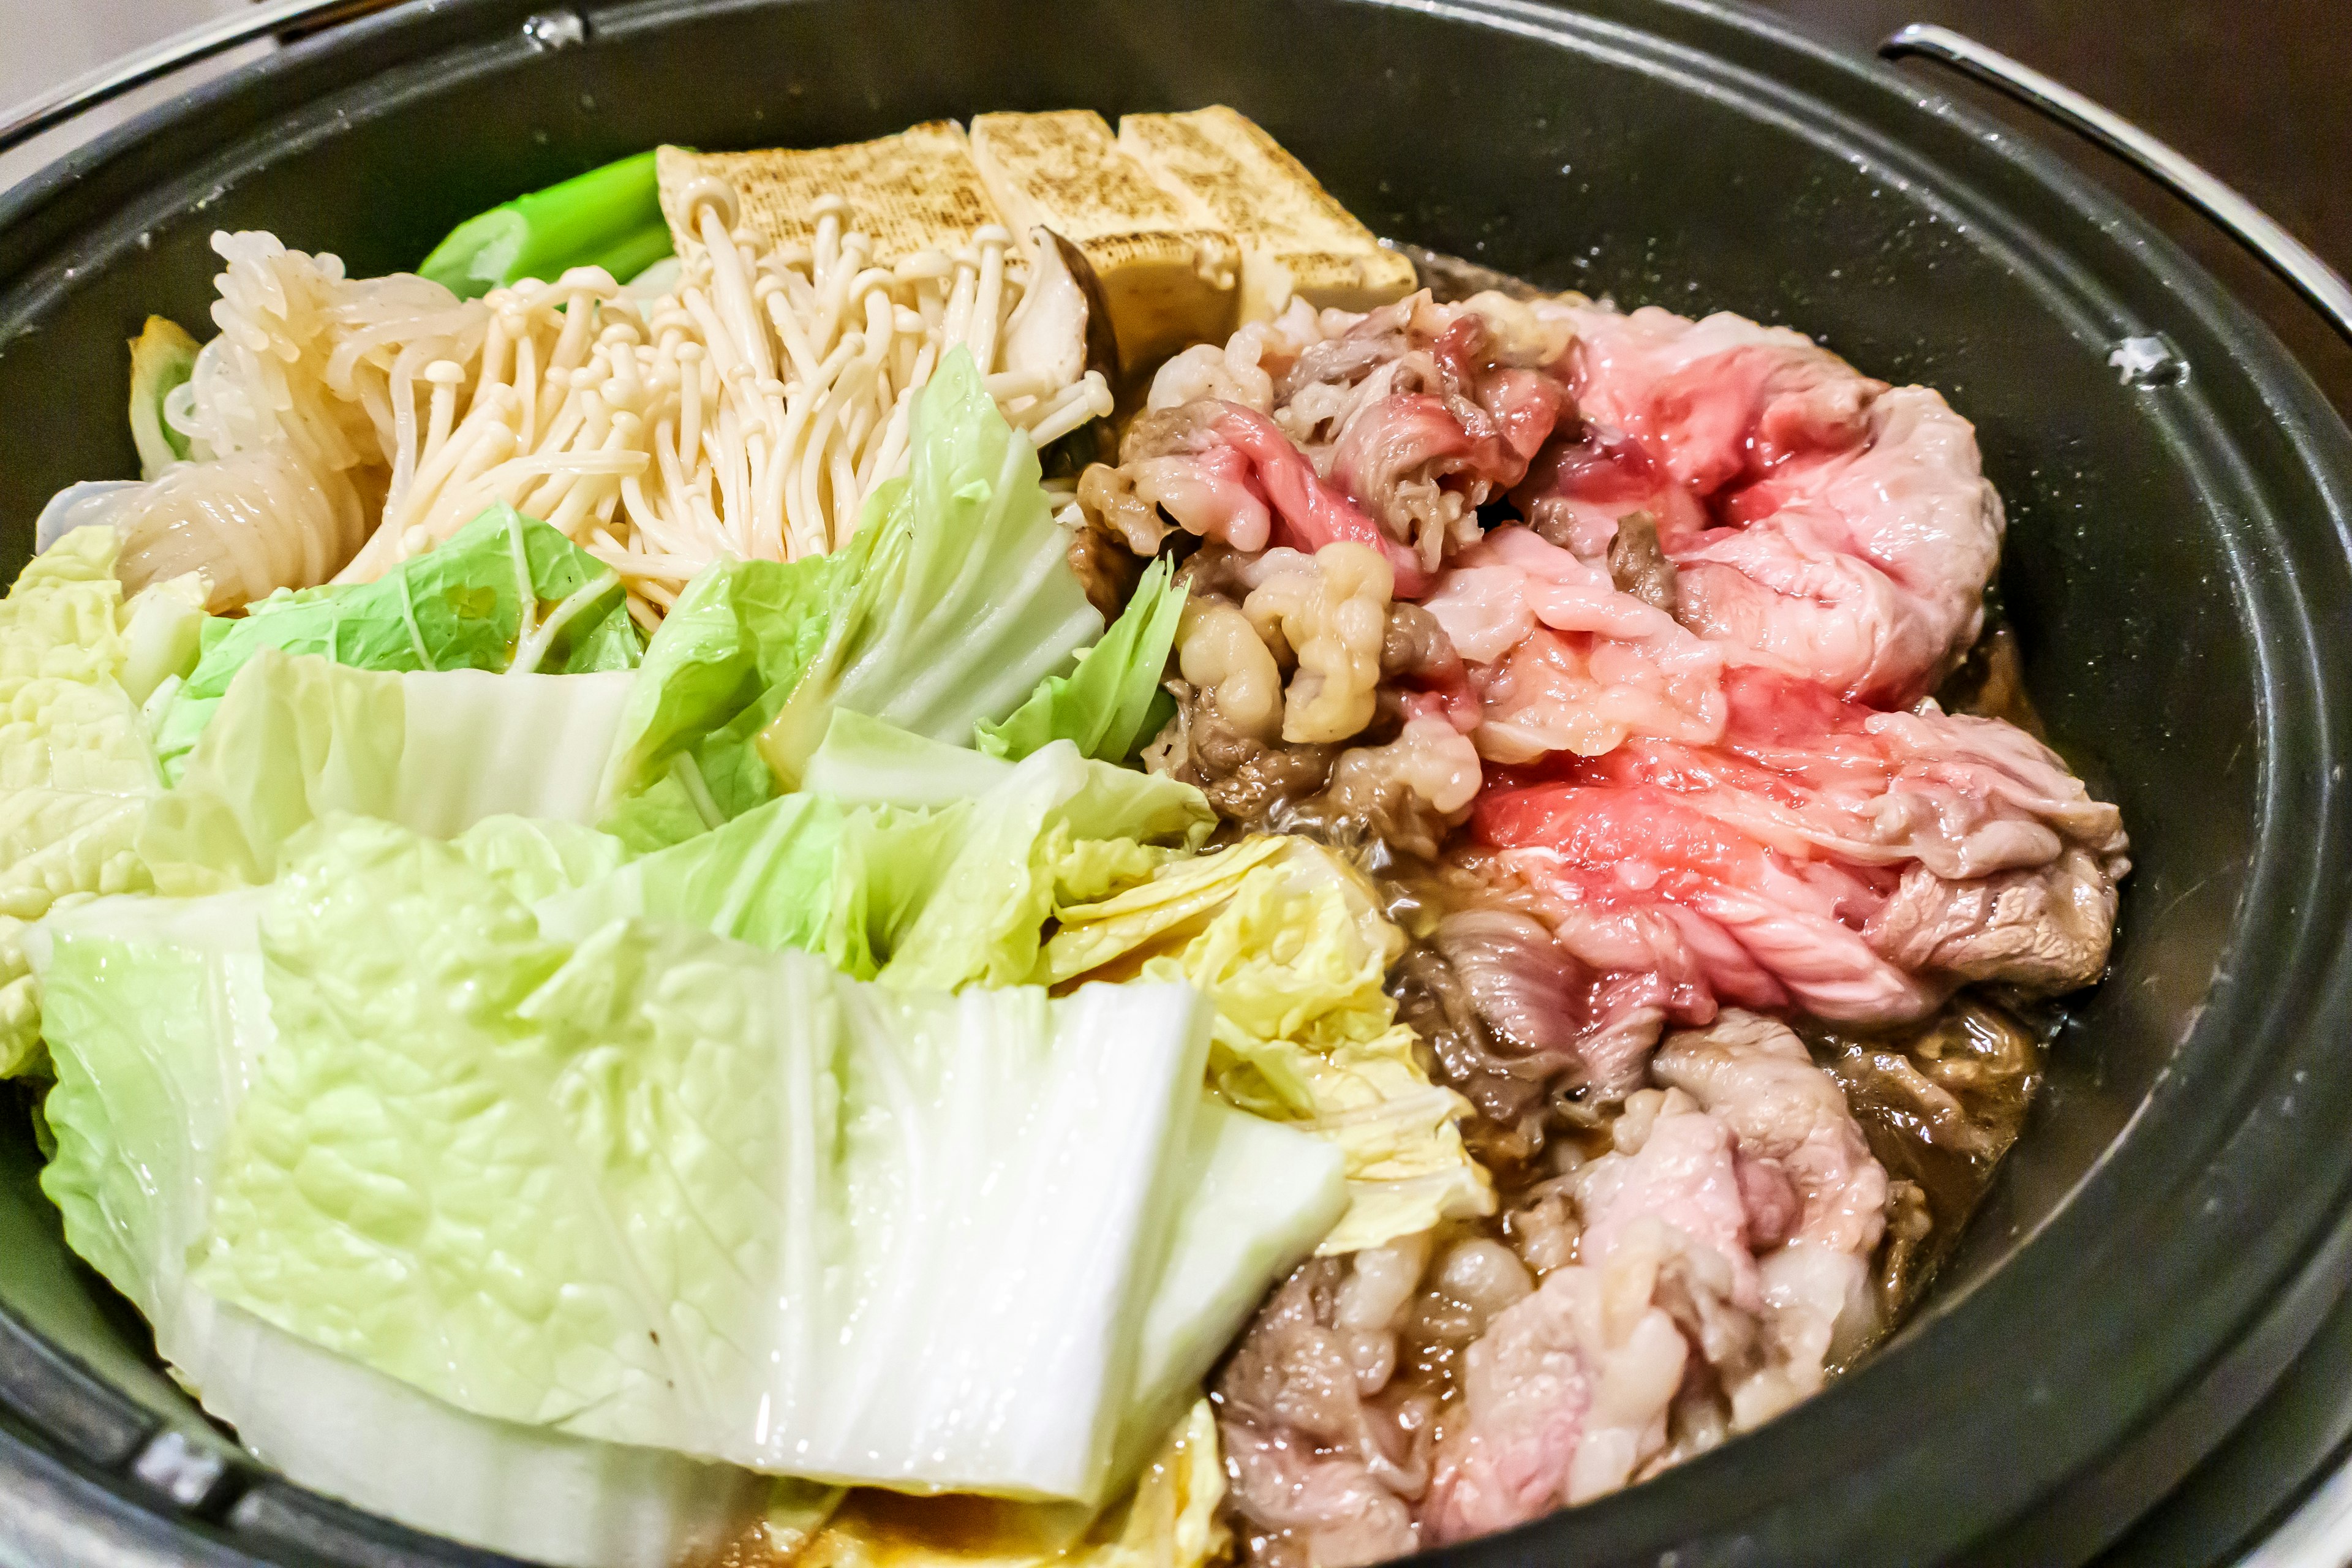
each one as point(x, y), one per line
point(2163, 1214)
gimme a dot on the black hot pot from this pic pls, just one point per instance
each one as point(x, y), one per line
point(2177, 1222)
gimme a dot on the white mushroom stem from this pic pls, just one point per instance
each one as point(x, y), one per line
point(747, 413)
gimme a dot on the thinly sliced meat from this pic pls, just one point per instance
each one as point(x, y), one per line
point(1344, 359)
point(1393, 426)
point(1563, 1400)
point(2045, 929)
point(1320, 1475)
point(1833, 527)
point(1438, 430)
point(1394, 455)
point(1564, 661)
point(1634, 878)
point(1794, 1132)
point(1677, 1166)
point(1753, 1074)
point(1226, 471)
point(1493, 361)
point(1300, 1508)
point(1819, 854)
point(1525, 406)
point(1806, 773)
point(1545, 1016)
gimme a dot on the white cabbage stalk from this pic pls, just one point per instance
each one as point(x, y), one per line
point(299, 737)
point(160, 1009)
point(740, 1200)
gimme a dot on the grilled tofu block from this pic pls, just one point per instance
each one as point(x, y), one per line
point(1168, 275)
point(1295, 238)
point(919, 190)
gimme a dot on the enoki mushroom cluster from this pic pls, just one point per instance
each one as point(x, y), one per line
point(747, 412)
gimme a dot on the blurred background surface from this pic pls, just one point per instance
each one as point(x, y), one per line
point(2259, 92)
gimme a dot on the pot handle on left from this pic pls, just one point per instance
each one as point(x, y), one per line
point(53, 109)
point(2284, 254)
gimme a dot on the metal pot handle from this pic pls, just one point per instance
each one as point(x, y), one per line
point(27, 121)
point(2246, 222)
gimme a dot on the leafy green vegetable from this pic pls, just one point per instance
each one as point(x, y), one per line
point(927, 864)
point(1113, 702)
point(76, 774)
point(1286, 940)
point(535, 859)
point(953, 600)
point(799, 872)
point(297, 738)
point(163, 357)
point(982, 923)
point(864, 761)
point(673, 1190)
point(723, 661)
point(964, 599)
point(158, 1017)
point(1258, 1199)
point(609, 217)
point(462, 606)
point(161, 637)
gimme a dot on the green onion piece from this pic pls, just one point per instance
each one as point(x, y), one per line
point(163, 357)
point(609, 217)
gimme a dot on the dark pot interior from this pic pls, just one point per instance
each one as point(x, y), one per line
point(2166, 1234)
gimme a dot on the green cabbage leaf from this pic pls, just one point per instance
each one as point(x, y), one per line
point(928, 865)
point(1112, 704)
point(953, 601)
point(504, 591)
point(799, 872)
point(668, 1189)
point(721, 665)
point(963, 600)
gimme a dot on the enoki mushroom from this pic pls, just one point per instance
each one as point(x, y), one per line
point(746, 413)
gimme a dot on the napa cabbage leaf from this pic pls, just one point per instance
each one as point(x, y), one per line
point(669, 1189)
point(76, 769)
point(301, 737)
point(505, 592)
point(953, 600)
point(1112, 704)
point(962, 597)
point(720, 665)
point(929, 865)
point(158, 1020)
point(1289, 945)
